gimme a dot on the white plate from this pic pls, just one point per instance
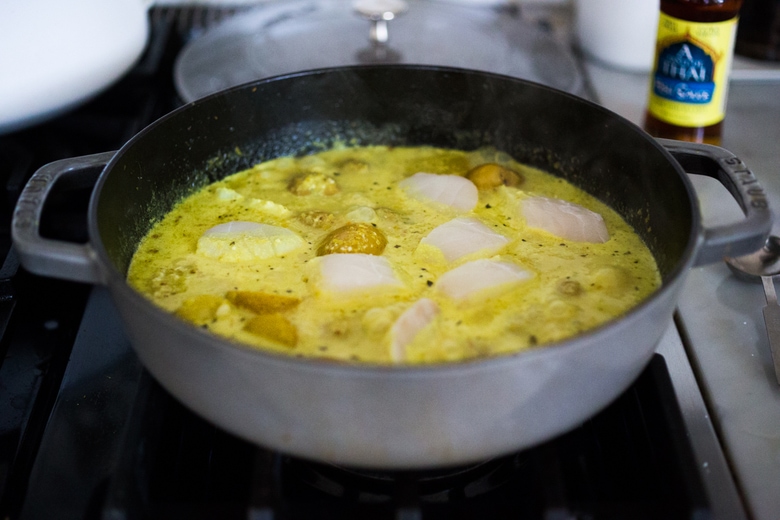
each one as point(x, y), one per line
point(56, 54)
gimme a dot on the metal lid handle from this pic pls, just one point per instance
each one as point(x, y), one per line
point(379, 12)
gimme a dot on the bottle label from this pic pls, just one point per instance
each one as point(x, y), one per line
point(690, 78)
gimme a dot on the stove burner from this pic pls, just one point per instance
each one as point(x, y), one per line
point(435, 485)
point(497, 488)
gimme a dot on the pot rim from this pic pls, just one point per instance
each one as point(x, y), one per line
point(116, 281)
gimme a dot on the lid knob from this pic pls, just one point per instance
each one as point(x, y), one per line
point(379, 12)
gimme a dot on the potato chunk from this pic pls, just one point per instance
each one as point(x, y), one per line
point(313, 184)
point(261, 302)
point(568, 287)
point(201, 309)
point(316, 219)
point(491, 175)
point(354, 238)
point(274, 327)
point(354, 166)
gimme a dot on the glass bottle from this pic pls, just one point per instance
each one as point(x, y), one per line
point(758, 36)
point(689, 83)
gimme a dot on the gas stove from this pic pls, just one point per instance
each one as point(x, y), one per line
point(86, 432)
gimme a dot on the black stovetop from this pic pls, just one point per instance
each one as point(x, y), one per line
point(86, 433)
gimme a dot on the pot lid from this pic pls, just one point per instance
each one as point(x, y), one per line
point(281, 37)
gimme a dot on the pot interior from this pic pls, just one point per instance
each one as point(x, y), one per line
point(394, 105)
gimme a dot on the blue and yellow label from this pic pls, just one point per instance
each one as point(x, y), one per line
point(690, 77)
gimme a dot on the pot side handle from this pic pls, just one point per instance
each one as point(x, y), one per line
point(741, 237)
point(46, 256)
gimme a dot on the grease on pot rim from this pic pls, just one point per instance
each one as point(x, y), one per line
point(394, 255)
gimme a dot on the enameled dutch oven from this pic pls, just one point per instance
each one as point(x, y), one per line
point(393, 416)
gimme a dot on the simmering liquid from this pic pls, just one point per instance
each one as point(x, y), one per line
point(394, 255)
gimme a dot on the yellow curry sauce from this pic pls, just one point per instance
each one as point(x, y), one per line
point(267, 287)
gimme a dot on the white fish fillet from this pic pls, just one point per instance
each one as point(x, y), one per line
point(463, 236)
point(355, 272)
point(564, 219)
point(240, 241)
point(409, 324)
point(453, 190)
point(476, 276)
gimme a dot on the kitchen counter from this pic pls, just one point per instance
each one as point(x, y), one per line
point(721, 317)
